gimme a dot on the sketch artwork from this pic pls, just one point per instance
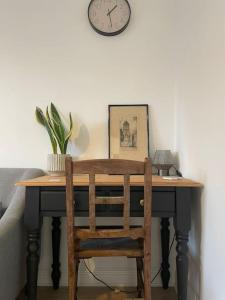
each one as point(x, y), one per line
point(128, 131)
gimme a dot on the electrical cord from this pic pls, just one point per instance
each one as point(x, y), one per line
point(125, 291)
point(160, 269)
point(104, 283)
point(97, 278)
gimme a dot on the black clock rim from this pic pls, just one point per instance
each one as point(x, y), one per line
point(109, 33)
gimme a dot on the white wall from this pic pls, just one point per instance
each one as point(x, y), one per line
point(49, 52)
point(200, 97)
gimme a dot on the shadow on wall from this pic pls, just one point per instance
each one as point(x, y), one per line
point(89, 142)
point(152, 147)
point(194, 277)
point(80, 139)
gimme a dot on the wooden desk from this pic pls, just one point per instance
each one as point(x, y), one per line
point(45, 196)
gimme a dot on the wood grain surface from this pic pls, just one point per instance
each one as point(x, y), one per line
point(108, 180)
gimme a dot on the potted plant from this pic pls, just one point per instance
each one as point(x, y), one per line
point(59, 135)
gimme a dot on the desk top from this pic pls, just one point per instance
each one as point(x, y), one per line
point(108, 180)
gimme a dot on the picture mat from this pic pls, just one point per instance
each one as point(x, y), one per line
point(122, 113)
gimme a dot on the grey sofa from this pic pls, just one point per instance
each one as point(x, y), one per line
point(12, 231)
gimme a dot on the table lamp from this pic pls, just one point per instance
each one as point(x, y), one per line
point(163, 161)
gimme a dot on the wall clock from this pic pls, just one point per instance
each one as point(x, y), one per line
point(109, 17)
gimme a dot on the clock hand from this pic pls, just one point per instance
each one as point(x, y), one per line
point(109, 12)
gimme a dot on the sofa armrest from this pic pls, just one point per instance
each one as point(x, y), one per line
point(12, 238)
point(12, 256)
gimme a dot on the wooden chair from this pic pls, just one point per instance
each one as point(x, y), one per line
point(126, 241)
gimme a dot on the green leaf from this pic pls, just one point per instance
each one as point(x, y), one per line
point(57, 131)
point(71, 122)
point(48, 116)
point(54, 112)
point(44, 122)
point(40, 116)
point(58, 135)
point(54, 145)
point(68, 134)
point(57, 123)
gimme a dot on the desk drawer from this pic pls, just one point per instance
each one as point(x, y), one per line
point(56, 201)
point(162, 201)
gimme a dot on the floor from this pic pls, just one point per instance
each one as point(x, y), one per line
point(90, 293)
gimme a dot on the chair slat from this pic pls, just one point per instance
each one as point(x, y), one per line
point(92, 221)
point(126, 209)
point(108, 166)
point(110, 252)
point(133, 233)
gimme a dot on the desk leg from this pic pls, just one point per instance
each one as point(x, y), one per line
point(32, 264)
point(165, 239)
point(56, 235)
point(182, 224)
point(182, 264)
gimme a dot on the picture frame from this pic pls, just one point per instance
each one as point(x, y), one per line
point(128, 130)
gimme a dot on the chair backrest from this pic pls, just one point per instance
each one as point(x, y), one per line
point(110, 167)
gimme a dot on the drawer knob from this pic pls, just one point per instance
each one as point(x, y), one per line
point(142, 202)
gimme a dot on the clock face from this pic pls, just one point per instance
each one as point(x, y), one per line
point(109, 17)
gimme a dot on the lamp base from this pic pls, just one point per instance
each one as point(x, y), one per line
point(163, 172)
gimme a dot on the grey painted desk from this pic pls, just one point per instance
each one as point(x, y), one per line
point(45, 196)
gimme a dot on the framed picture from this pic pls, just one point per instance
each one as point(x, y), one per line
point(128, 132)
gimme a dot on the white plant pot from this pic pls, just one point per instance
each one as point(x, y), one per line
point(56, 164)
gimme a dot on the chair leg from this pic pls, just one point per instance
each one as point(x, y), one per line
point(140, 283)
point(71, 280)
point(76, 266)
point(147, 270)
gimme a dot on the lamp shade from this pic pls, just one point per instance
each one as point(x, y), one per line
point(163, 161)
